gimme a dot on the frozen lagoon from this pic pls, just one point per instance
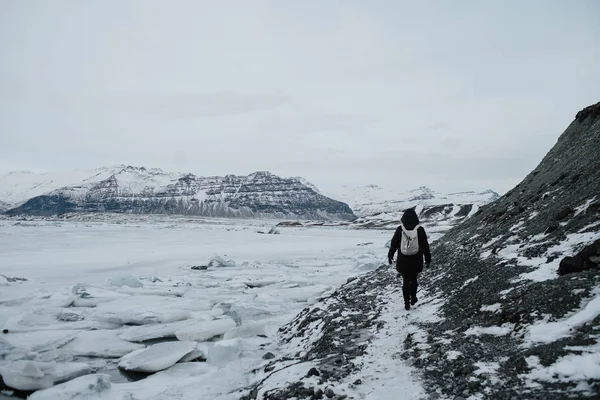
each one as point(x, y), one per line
point(114, 276)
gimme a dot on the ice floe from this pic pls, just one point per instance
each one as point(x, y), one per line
point(157, 357)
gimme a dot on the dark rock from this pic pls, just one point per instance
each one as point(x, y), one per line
point(551, 228)
point(329, 393)
point(568, 265)
point(313, 372)
point(200, 267)
point(5, 331)
point(563, 213)
point(318, 394)
point(269, 368)
point(358, 382)
point(586, 259)
point(592, 111)
point(268, 356)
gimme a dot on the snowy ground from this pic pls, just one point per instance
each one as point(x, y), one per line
point(95, 292)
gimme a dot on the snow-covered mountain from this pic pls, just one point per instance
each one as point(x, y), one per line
point(4, 206)
point(373, 199)
point(152, 191)
point(382, 208)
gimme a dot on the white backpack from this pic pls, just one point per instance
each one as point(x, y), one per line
point(409, 244)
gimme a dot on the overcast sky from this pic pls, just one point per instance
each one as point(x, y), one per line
point(455, 95)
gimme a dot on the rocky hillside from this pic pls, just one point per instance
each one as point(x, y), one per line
point(495, 319)
point(126, 189)
point(4, 206)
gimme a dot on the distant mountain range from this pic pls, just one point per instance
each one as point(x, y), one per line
point(128, 189)
point(372, 199)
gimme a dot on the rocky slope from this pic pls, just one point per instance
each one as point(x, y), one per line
point(495, 320)
point(126, 189)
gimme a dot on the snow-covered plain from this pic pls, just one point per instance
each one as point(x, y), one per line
point(95, 292)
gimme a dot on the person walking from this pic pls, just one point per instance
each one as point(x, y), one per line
point(410, 241)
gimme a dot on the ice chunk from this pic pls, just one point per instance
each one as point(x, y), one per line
point(144, 310)
point(224, 352)
point(367, 262)
point(93, 296)
point(219, 262)
point(126, 281)
point(40, 340)
point(85, 387)
point(245, 331)
point(157, 331)
point(195, 354)
point(205, 330)
point(157, 357)
point(100, 344)
point(69, 316)
point(32, 375)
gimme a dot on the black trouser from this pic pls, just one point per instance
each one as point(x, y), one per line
point(409, 285)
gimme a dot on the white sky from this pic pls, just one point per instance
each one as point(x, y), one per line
point(455, 95)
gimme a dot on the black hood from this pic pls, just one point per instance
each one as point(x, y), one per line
point(410, 219)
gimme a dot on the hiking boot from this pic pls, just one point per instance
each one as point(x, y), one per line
point(413, 300)
point(406, 306)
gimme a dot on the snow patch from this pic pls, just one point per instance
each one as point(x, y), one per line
point(551, 331)
point(490, 330)
point(491, 307)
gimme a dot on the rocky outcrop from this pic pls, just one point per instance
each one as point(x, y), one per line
point(141, 191)
point(592, 111)
point(586, 259)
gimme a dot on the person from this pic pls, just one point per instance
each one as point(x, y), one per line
point(410, 241)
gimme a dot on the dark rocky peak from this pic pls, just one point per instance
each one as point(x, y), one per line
point(592, 111)
point(188, 179)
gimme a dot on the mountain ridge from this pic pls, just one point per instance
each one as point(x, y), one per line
point(141, 190)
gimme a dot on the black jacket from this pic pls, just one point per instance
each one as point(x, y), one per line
point(410, 264)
